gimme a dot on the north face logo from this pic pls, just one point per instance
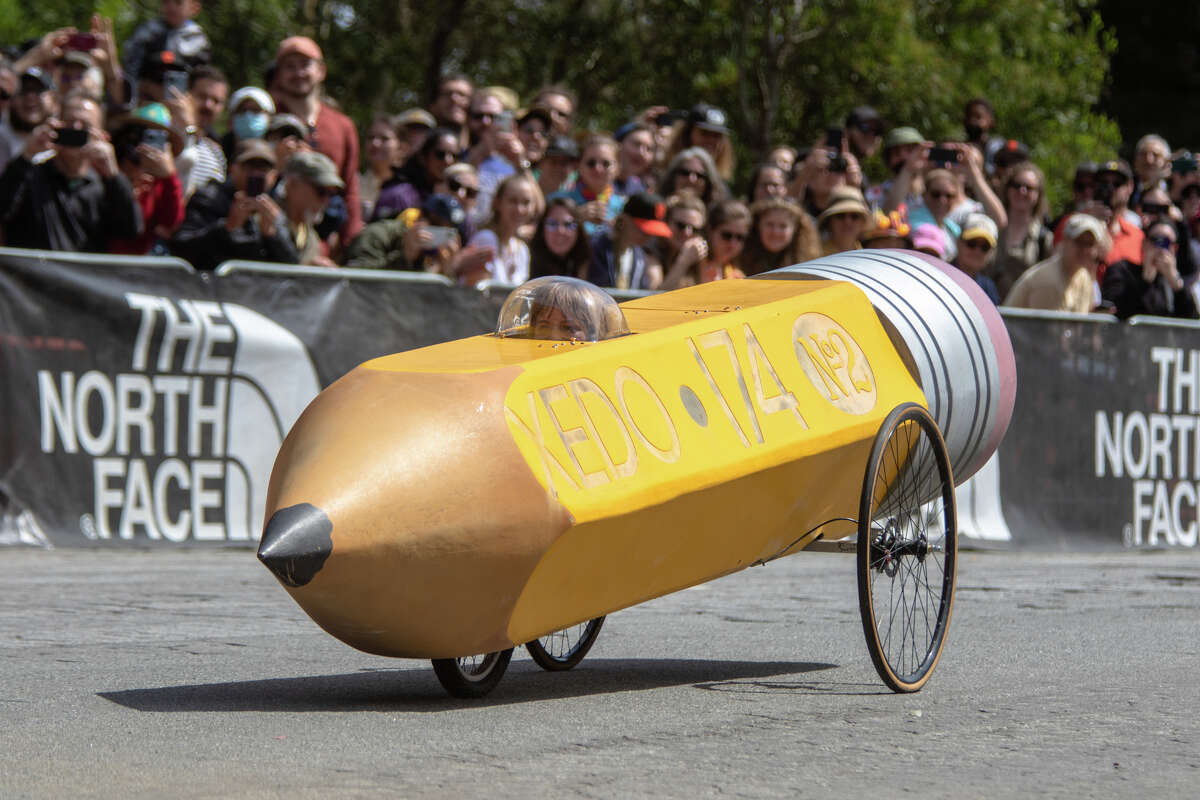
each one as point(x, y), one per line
point(181, 446)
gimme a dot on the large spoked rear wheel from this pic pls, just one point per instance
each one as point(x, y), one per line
point(472, 676)
point(566, 648)
point(907, 548)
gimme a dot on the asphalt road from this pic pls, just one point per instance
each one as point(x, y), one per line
point(192, 674)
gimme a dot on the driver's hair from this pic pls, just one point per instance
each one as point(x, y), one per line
point(583, 316)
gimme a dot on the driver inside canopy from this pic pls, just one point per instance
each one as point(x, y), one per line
point(561, 308)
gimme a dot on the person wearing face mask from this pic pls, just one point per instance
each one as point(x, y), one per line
point(250, 110)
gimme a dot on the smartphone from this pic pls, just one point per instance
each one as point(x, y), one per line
point(503, 122)
point(944, 156)
point(1185, 165)
point(175, 79)
point(833, 139)
point(84, 42)
point(441, 236)
point(256, 184)
point(156, 138)
point(71, 137)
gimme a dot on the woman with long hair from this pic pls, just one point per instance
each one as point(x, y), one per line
point(1025, 240)
point(726, 233)
point(782, 235)
point(704, 127)
point(416, 179)
point(559, 245)
point(693, 170)
point(382, 151)
point(594, 192)
point(517, 203)
point(768, 180)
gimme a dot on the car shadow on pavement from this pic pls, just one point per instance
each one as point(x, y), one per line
point(417, 690)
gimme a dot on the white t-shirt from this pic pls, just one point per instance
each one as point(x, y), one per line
point(511, 263)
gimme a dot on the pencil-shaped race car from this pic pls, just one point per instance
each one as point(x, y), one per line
point(458, 500)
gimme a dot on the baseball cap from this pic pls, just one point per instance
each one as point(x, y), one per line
point(979, 226)
point(649, 214)
point(285, 124)
point(299, 44)
point(865, 116)
point(444, 209)
point(259, 96)
point(314, 167)
point(1117, 167)
point(931, 237)
point(415, 116)
point(254, 150)
point(898, 137)
point(709, 118)
point(40, 76)
point(1079, 224)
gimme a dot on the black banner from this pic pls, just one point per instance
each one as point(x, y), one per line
point(1103, 447)
point(146, 404)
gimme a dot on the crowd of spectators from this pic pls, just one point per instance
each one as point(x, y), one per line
point(143, 148)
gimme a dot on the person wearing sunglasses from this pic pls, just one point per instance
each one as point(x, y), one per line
point(1154, 286)
point(768, 180)
point(686, 247)
point(727, 230)
point(1025, 240)
point(310, 179)
point(693, 170)
point(943, 193)
point(976, 249)
point(418, 176)
point(595, 191)
point(559, 245)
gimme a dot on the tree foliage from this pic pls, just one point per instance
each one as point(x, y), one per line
point(784, 69)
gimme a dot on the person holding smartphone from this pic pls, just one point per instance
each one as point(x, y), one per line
point(237, 219)
point(145, 145)
point(75, 200)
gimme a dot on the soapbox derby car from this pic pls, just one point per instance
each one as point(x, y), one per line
point(455, 501)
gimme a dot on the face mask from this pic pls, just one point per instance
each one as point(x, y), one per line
point(251, 124)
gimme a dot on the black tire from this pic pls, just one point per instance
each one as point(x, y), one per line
point(566, 648)
point(472, 676)
point(907, 548)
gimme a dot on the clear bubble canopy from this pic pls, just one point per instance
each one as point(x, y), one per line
point(560, 308)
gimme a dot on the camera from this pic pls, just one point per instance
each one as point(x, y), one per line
point(256, 184)
point(174, 79)
point(71, 137)
point(1102, 192)
point(83, 42)
point(155, 137)
point(943, 156)
point(833, 142)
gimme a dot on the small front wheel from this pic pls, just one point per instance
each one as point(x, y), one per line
point(566, 648)
point(472, 676)
point(907, 548)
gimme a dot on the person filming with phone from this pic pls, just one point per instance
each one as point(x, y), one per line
point(75, 200)
point(237, 219)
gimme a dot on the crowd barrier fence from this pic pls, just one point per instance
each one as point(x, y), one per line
point(144, 401)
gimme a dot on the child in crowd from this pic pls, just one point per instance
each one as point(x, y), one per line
point(175, 31)
point(518, 202)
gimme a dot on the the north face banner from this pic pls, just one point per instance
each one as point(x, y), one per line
point(146, 404)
